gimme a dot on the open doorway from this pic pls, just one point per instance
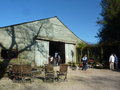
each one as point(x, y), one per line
point(58, 47)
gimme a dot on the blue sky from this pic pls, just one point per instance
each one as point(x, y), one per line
point(79, 16)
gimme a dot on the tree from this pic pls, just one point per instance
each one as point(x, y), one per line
point(110, 21)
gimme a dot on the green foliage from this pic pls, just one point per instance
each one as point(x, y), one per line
point(73, 64)
point(110, 21)
point(1, 60)
point(80, 48)
point(69, 63)
point(81, 45)
point(98, 65)
point(110, 9)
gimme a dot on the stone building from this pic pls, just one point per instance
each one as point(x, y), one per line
point(36, 40)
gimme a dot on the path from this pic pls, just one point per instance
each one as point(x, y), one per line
point(92, 79)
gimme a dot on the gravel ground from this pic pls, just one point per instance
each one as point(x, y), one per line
point(92, 79)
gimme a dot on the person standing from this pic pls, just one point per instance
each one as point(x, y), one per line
point(84, 61)
point(59, 60)
point(55, 58)
point(116, 61)
point(111, 61)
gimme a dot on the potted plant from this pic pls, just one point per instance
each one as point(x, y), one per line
point(69, 63)
point(80, 65)
point(73, 66)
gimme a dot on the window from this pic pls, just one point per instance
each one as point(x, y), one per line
point(8, 54)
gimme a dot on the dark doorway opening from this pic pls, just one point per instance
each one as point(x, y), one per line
point(58, 47)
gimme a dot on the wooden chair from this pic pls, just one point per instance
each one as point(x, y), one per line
point(16, 72)
point(62, 71)
point(49, 72)
point(26, 71)
point(21, 72)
